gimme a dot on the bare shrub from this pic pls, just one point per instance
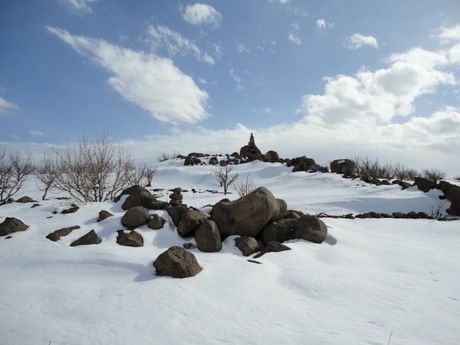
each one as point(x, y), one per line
point(166, 156)
point(46, 173)
point(433, 175)
point(224, 178)
point(246, 186)
point(94, 170)
point(143, 175)
point(365, 166)
point(14, 170)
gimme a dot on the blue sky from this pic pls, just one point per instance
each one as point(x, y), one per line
point(325, 79)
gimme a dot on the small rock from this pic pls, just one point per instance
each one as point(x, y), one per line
point(11, 225)
point(177, 262)
point(104, 215)
point(90, 238)
point(72, 209)
point(156, 222)
point(56, 235)
point(273, 246)
point(247, 244)
point(131, 239)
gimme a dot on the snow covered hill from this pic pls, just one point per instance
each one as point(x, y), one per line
point(381, 277)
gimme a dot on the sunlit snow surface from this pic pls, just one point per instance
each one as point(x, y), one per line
point(372, 278)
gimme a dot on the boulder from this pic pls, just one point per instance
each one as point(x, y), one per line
point(190, 221)
point(272, 247)
point(130, 239)
point(398, 215)
point(177, 262)
point(71, 209)
point(247, 215)
point(272, 157)
point(156, 222)
point(139, 196)
point(176, 213)
point(104, 215)
point(90, 238)
point(306, 164)
point(424, 184)
point(309, 228)
point(11, 225)
point(25, 199)
point(343, 166)
point(135, 217)
point(56, 235)
point(251, 151)
point(207, 237)
point(451, 193)
point(247, 244)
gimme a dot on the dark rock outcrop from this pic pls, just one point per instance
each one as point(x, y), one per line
point(451, 193)
point(177, 262)
point(139, 196)
point(247, 215)
point(11, 225)
point(208, 238)
point(156, 222)
point(247, 244)
point(424, 184)
point(135, 217)
point(25, 199)
point(343, 166)
point(251, 151)
point(190, 221)
point(309, 228)
point(130, 239)
point(90, 238)
point(56, 235)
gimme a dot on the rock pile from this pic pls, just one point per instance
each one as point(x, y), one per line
point(176, 197)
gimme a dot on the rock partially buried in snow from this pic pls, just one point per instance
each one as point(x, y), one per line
point(135, 216)
point(177, 262)
point(56, 235)
point(247, 215)
point(309, 228)
point(104, 215)
point(247, 244)
point(156, 222)
point(131, 239)
point(90, 238)
point(272, 247)
point(11, 225)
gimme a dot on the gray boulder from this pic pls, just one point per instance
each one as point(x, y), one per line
point(272, 247)
point(424, 184)
point(131, 239)
point(90, 238)
point(190, 221)
point(247, 215)
point(156, 222)
point(104, 215)
point(135, 217)
point(177, 262)
point(207, 237)
point(343, 166)
point(11, 225)
point(451, 193)
point(309, 228)
point(247, 244)
point(56, 235)
point(176, 213)
point(139, 196)
point(272, 157)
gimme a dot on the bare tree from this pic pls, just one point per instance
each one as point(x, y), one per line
point(94, 170)
point(434, 175)
point(224, 178)
point(246, 186)
point(142, 173)
point(46, 173)
point(14, 170)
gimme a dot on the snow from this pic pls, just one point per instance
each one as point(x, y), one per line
point(370, 278)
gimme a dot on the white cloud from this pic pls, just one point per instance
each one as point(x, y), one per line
point(175, 43)
point(322, 24)
point(202, 14)
point(294, 39)
point(380, 95)
point(236, 79)
point(36, 133)
point(448, 35)
point(81, 6)
point(356, 41)
point(147, 80)
point(5, 105)
point(241, 48)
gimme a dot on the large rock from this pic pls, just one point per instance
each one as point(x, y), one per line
point(11, 225)
point(272, 157)
point(190, 221)
point(139, 196)
point(208, 238)
point(309, 228)
point(131, 239)
point(247, 215)
point(251, 151)
point(247, 244)
point(135, 217)
point(156, 222)
point(90, 238)
point(176, 262)
point(424, 184)
point(56, 235)
point(176, 213)
point(451, 193)
point(343, 166)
